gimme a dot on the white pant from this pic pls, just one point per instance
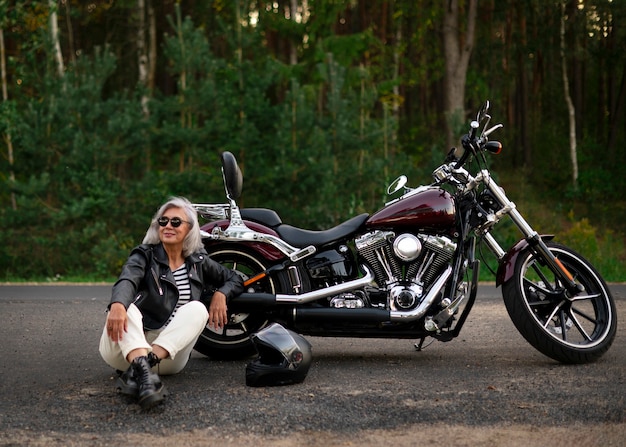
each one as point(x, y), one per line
point(178, 338)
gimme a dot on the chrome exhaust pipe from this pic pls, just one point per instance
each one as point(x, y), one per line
point(247, 302)
point(250, 302)
point(375, 315)
point(315, 295)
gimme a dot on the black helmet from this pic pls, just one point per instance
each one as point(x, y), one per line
point(284, 357)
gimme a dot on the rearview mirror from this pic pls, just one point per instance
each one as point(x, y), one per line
point(397, 185)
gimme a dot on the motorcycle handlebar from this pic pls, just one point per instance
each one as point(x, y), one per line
point(472, 143)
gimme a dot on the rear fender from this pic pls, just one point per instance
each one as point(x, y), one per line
point(267, 251)
point(507, 264)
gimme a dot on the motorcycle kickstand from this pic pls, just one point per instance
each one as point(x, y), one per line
point(418, 346)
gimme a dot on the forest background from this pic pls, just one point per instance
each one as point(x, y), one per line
point(109, 107)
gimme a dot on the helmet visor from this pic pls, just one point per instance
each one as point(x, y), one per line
point(281, 340)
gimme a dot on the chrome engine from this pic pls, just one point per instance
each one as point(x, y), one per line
point(406, 265)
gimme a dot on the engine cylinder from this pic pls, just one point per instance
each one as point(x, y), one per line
point(408, 258)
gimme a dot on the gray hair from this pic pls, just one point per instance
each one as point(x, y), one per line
point(193, 240)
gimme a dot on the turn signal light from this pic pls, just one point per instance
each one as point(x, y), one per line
point(495, 147)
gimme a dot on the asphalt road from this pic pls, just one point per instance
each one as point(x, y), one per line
point(487, 387)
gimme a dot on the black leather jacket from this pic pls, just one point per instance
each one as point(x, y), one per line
point(147, 281)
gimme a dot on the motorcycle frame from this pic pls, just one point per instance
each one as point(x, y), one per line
point(239, 231)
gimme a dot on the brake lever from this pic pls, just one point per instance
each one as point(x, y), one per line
point(487, 118)
point(493, 129)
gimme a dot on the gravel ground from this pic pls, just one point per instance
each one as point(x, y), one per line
point(488, 387)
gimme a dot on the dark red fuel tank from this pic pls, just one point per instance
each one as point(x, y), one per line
point(431, 209)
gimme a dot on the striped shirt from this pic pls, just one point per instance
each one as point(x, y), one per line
point(184, 289)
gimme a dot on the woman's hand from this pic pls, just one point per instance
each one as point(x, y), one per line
point(218, 312)
point(117, 322)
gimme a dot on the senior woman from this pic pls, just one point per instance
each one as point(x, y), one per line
point(167, 292)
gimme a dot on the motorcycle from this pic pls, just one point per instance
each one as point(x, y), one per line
point(408, 271)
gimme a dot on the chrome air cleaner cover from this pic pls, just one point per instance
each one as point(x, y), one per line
point(407, 247)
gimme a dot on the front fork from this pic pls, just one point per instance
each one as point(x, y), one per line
point(532, 239)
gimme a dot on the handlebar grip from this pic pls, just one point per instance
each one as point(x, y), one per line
point(474, 125)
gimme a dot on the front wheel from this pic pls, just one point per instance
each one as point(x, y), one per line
point(570, 329)
point(233, 341)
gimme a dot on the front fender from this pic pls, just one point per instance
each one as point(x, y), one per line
point(267, 251)
point(507, 264)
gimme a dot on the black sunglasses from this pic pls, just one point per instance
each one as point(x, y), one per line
point(175, 221)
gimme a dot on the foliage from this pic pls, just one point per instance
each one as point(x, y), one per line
point(322, 106)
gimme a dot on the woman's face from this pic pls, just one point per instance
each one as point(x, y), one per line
point(170, 234)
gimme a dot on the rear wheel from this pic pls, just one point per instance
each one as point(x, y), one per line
point(233, 341)
point(570, 329)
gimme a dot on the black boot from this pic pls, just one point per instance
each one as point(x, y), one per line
point(151, 390)
point(127, 383)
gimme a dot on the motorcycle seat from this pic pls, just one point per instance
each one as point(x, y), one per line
point(263, 216)
point(298, 237)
